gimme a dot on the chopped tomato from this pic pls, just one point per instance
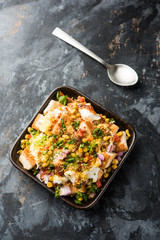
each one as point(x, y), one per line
point(116, 138)
point(29, 135)
point(81, 134)
point(81, 99)
point(99, 184)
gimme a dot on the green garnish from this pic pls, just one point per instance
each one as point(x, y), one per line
point(63, 125)
point(57, 190)
point(28, 143)
point(72, 141)
point(54, 136)
point(51, 165)
point(91, 147)
point(95, 155)
point(36, 172)
point(76, 124)
point(97, 133)
point(62, 99)
point(59, 144)
point(43, 153)
point(80, 197)
point(83, 144)
point(111, 120)
point(94, 188)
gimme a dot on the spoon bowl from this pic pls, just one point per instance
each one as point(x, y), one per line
point(120, 74)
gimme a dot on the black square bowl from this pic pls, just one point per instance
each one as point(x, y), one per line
point(71, 92)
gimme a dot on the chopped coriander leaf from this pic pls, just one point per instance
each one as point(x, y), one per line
point(91, 147)
point(65, 165)
point(98, 133)
point(55, 136)
point(111, 120)
point(57, 190)
point(76, 124)
point(94, 188)
point(72, 141)
point(83, 144)
point(35, 172)
point(59, 144)
point(95, 155)
point(33, 132)
point(66, 147)
point(80, 197)
point(43, 153)
point(62, 124)
point(28, 143)
point(77, 201)
point(51, 165)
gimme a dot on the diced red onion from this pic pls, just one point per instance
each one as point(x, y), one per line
point(113, 148)
point(92, 195)
point(100, 156)
point(119, 159)
point(120, 154)
point(46, 178)
point(39, 177)
point(65, 190)
point(66, 151)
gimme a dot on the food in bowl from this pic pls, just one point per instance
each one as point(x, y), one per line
point(73, 149)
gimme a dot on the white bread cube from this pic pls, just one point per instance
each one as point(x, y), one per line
point(114, 128)
point(51, 106)
point(86, 126)
point(42, 123)
point(38, 121)
point(74, 190)
point(87, 113)
point(71, 175)
point(108, 157)
point(94, 173)
point(122, 145)
point(27, 159)
point(59, 180)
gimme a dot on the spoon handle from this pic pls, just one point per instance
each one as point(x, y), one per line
point(65, 37)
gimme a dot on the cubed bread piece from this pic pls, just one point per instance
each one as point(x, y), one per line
point(51, 106)
point(87, 113)
point(94, 173)
point(56, 128)
point(64, 191)
point(74, 190)
point(38, 121)
point(122, 145)
point(42, 123)
point(108, 157)
point(59, 180)
point(58, 158)
point(86, 126)
point(71, 175)
point(114, 128)
point(27, 159)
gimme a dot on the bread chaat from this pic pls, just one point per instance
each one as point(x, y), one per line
point(73, 149)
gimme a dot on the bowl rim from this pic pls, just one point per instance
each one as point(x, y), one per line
point(107, 183)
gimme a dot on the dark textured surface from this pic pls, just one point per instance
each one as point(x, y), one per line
point(33, 63)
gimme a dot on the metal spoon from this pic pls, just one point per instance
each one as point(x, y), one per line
point(120, 74)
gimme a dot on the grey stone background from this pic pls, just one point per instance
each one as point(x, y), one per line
point(33, 63)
